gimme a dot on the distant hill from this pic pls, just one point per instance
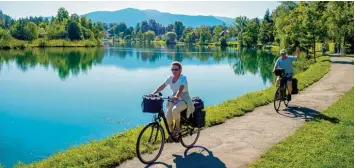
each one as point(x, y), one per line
point(228, 21)
point(133, 16)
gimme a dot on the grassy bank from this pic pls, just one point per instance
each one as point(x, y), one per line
point(120, 147)
point(319, 143)
point(20, 44)
point(229, 44)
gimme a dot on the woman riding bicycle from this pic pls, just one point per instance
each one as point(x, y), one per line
point(180, 99)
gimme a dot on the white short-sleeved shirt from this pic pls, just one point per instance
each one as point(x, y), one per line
point(175, 86)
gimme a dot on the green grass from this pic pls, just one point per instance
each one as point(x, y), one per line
point(17, 44)
point(319, 143)
point(120, 147)
point(229, 43)
point(64, 43)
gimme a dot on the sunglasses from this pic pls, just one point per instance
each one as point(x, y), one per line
point(175, 69)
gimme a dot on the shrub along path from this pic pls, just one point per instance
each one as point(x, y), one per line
point(241, 140)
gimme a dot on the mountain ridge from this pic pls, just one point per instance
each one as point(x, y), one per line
point(132, 16)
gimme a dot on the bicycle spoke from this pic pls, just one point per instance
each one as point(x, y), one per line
point(150, 143)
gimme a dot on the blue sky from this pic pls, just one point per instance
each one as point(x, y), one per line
point(227, 8)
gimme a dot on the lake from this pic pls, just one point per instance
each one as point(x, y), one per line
point(55, 98)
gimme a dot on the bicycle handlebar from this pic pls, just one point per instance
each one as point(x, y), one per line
point(166, 98)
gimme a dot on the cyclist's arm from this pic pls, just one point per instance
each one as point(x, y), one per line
point(160, 88)
point(276, 65)
point(297, 52)
point(178, 93)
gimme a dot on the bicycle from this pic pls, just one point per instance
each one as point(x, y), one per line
point(280, 94)
point(155, 135)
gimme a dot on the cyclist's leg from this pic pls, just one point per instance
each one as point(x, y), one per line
point(177, 109)
point(289, 85)
point(278, 81)
point(169, 116)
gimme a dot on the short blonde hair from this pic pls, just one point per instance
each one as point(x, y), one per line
point(177, 64)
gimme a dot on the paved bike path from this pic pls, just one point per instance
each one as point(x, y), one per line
point(242, 140)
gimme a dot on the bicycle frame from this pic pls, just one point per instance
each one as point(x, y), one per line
point(157, 119)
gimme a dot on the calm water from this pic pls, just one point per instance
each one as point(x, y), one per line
point(51, 99)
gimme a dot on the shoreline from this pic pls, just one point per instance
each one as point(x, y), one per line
point(14, 44)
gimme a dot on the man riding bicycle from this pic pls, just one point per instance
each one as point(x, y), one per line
point(285, 62)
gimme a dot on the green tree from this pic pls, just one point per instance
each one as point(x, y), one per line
point(57, 31)
point(87, 33)
point(62, 15)
point(266, 31)
point(216, 32)
point(144, 26)
point(240, 23)
point(75, 17)
point(24, 30)
point(84, 22)
point(250, 33)
point(185, 32)
point(191, 37)
point(179, 28)
point(267, 17)
point(171, 38)
point(313, 26)
point(340, 21)
point(74, 30)
point(204, 34)
point(153, 25)
point(149, 35)
point(30, 31)
point(5, 21)
point(137, 28)
point(169, 28)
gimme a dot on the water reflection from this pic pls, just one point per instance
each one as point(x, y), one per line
point(64, 60)
point(72, 61)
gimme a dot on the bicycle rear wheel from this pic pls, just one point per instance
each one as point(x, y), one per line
point(150, 143)
point(189, 134)
point(277, 99)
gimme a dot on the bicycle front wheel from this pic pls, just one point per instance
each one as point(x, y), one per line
point(277, 99)
point(150, 143)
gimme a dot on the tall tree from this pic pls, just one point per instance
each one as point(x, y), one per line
point(153, 25)
point(74, 30)
point(340, 20)
point(62, 14)
point(179, 28)
point(144, 26)
point(169, 28)
point(240, 23)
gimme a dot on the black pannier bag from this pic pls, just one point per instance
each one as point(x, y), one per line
point(199, 115)
point(198, 103)
point(152, 104)
point(294, 86)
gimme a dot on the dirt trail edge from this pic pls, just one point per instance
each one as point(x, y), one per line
point(242, 140)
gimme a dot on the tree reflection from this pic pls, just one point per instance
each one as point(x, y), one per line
point(76, 60)
point(65, 60)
